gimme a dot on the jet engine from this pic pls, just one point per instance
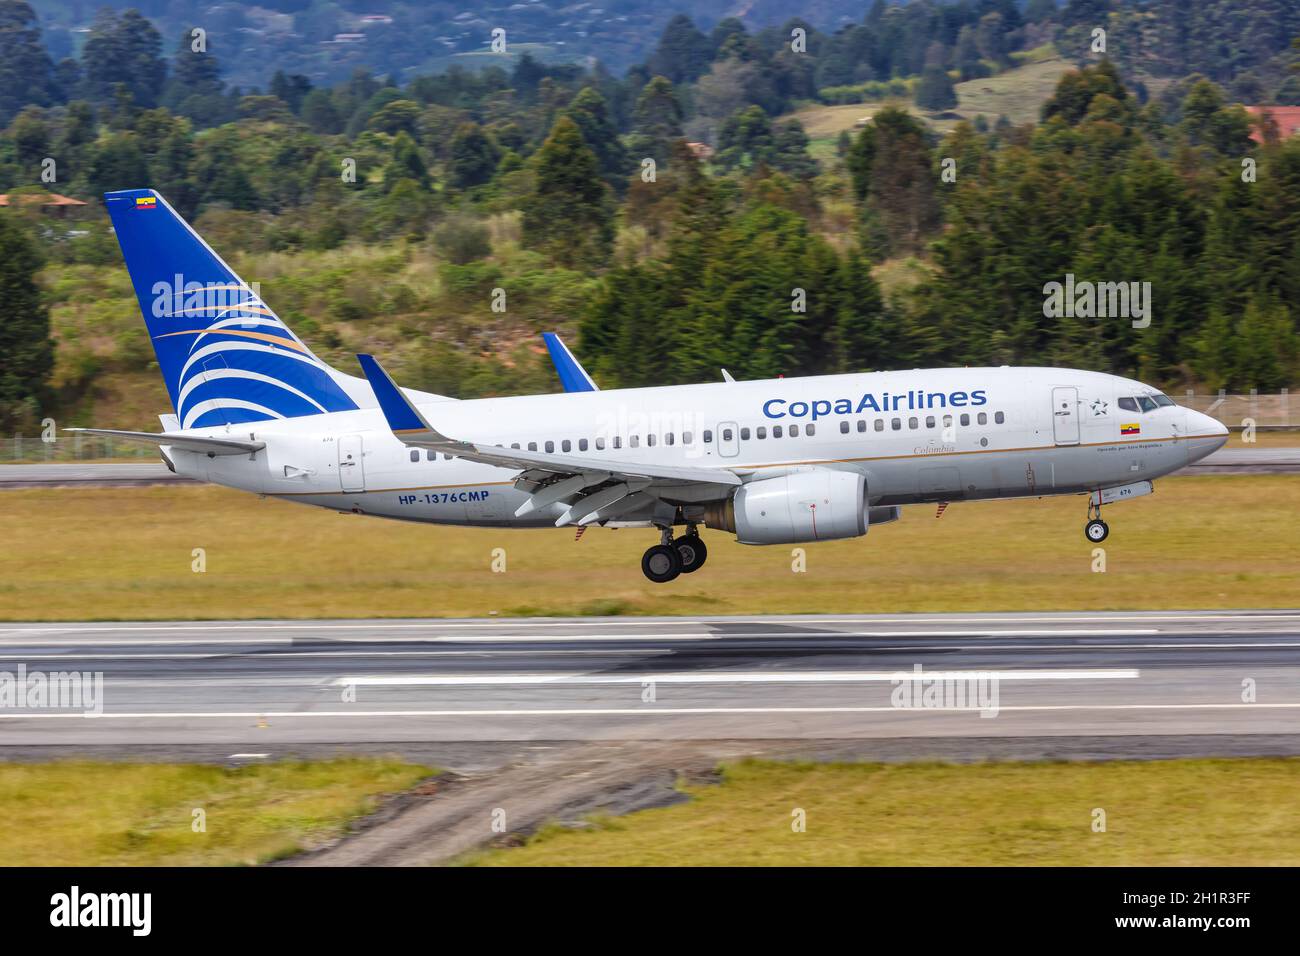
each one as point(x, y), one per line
point(818, 505)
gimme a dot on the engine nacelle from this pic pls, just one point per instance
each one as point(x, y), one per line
point(816, 505)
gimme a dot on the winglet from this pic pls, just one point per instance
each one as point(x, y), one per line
point(573, 376)
point(403, 418)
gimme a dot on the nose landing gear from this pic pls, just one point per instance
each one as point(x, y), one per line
point(1095, 530)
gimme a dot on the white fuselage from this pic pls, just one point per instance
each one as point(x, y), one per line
point(1026, 432)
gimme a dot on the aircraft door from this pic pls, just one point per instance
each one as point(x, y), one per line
point(1065, 415)
point(352, 470)
point(728, 439)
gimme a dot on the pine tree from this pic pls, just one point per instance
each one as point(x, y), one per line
point(26, 350)
point(26, 73)
point(568, 215)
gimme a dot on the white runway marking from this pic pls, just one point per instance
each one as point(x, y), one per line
point(628, 711)
point(728, 677)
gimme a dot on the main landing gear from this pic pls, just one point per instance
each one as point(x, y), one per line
point(1095, 530)
point(674, 556)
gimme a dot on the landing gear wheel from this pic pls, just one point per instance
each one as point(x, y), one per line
point(661, 563)
point(692, 551)
point(1096, 530)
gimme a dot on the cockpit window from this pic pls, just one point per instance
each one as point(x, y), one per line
point(1148, 404)
point(1128, 404)
point(1162, 400)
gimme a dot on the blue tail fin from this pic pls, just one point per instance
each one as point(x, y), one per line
point(573, 376)
point(226, 358)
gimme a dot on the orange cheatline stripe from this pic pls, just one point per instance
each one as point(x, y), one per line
point(263, 336)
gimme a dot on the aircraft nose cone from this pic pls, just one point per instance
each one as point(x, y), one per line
point(1205, 435)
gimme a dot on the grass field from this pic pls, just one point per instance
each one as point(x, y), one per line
point(1018, 94)
point(1157, 813)
point(128, 553)
point(92, 813)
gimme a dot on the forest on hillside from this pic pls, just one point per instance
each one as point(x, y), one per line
point(677, 217)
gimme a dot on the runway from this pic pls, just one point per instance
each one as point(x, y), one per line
point(261, 687)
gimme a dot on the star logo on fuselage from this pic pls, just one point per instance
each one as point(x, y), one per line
point(1099, 407)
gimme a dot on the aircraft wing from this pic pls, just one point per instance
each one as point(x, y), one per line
point(200, 443)
point(596, 489)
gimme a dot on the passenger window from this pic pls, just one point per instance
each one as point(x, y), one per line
point(912, 423)
point(433, 455)
point(515, 445)
point(776, 431)
point(810, 431)
point(1128, 404)
point(415, 454)
point(844, 428)
point(600, 444)
point(726, 434)
point(668, 439)
point(947, 421)
point(532, 446)
point(650, 441)
point(999, 418)
point(446, 457)
point(862, 424)
point(566, 445)
point(880, 424)
point(929, 421)
point(965, 419)
point(708, 435)
point(794, 431)
point(634, 441)
point(896, 424)
point(618, 441)
point(582, 444)
point(761, 431)
point(686, 438)
point(744, 434)
point(550, 447)
point(982, 418)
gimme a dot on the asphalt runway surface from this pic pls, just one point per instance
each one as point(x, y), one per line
point(152, 472)
point(269, 687)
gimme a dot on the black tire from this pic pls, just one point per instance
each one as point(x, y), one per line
point(1096, 531)
point(692, 551)
point(661, 563)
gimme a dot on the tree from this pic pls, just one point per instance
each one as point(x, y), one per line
point(26, 72)
point(125, 51)
point(26, 350)
point(657, 122)
point(588, 110)
point(194, 88)
point(935, 91)
point(891, 168)
point(683, 53)
point(567, 215)
point(474, 157)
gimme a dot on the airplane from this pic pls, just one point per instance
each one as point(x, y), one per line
point(775, 461)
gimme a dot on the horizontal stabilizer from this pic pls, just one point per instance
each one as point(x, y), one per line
point(196, 443)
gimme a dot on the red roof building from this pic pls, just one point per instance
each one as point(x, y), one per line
point(1287, 119)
